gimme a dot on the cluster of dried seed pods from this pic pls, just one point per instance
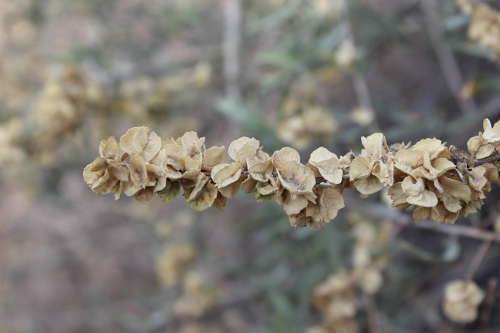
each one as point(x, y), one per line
point(438, 181)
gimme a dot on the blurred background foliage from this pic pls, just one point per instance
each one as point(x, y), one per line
point(302, 73)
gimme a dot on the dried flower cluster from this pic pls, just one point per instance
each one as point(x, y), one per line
point(58, 114)
point(174, 266)
point(427, 177)
point(461, 300)
point(200, 294)
point(70, 100)
point(368, 266)
point(484, 28)
point(331, 7)
point(347, 54)
point(21, 61)
point(173, 262)
point(63, 102)
point(362, 116)
point(145, 98)
point(336, 299)
point(11, 152)
point(486, 143)
point(440, 182)
point(198, 328)
point(307, 124)
point(140, 165)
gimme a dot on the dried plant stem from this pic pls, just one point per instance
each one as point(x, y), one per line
point(478, 258)
point(490, 159)
point(373, 320)
point(446, 59)
point(458, 230)
point(363, 92)
point(489, 302)
point(232, 43)
point(165, 321)
point(359, 80)
point(379, 211)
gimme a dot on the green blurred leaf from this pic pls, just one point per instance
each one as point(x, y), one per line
point(282, 60)
point(277, 17)
point(251, 121)
point(455, 22)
